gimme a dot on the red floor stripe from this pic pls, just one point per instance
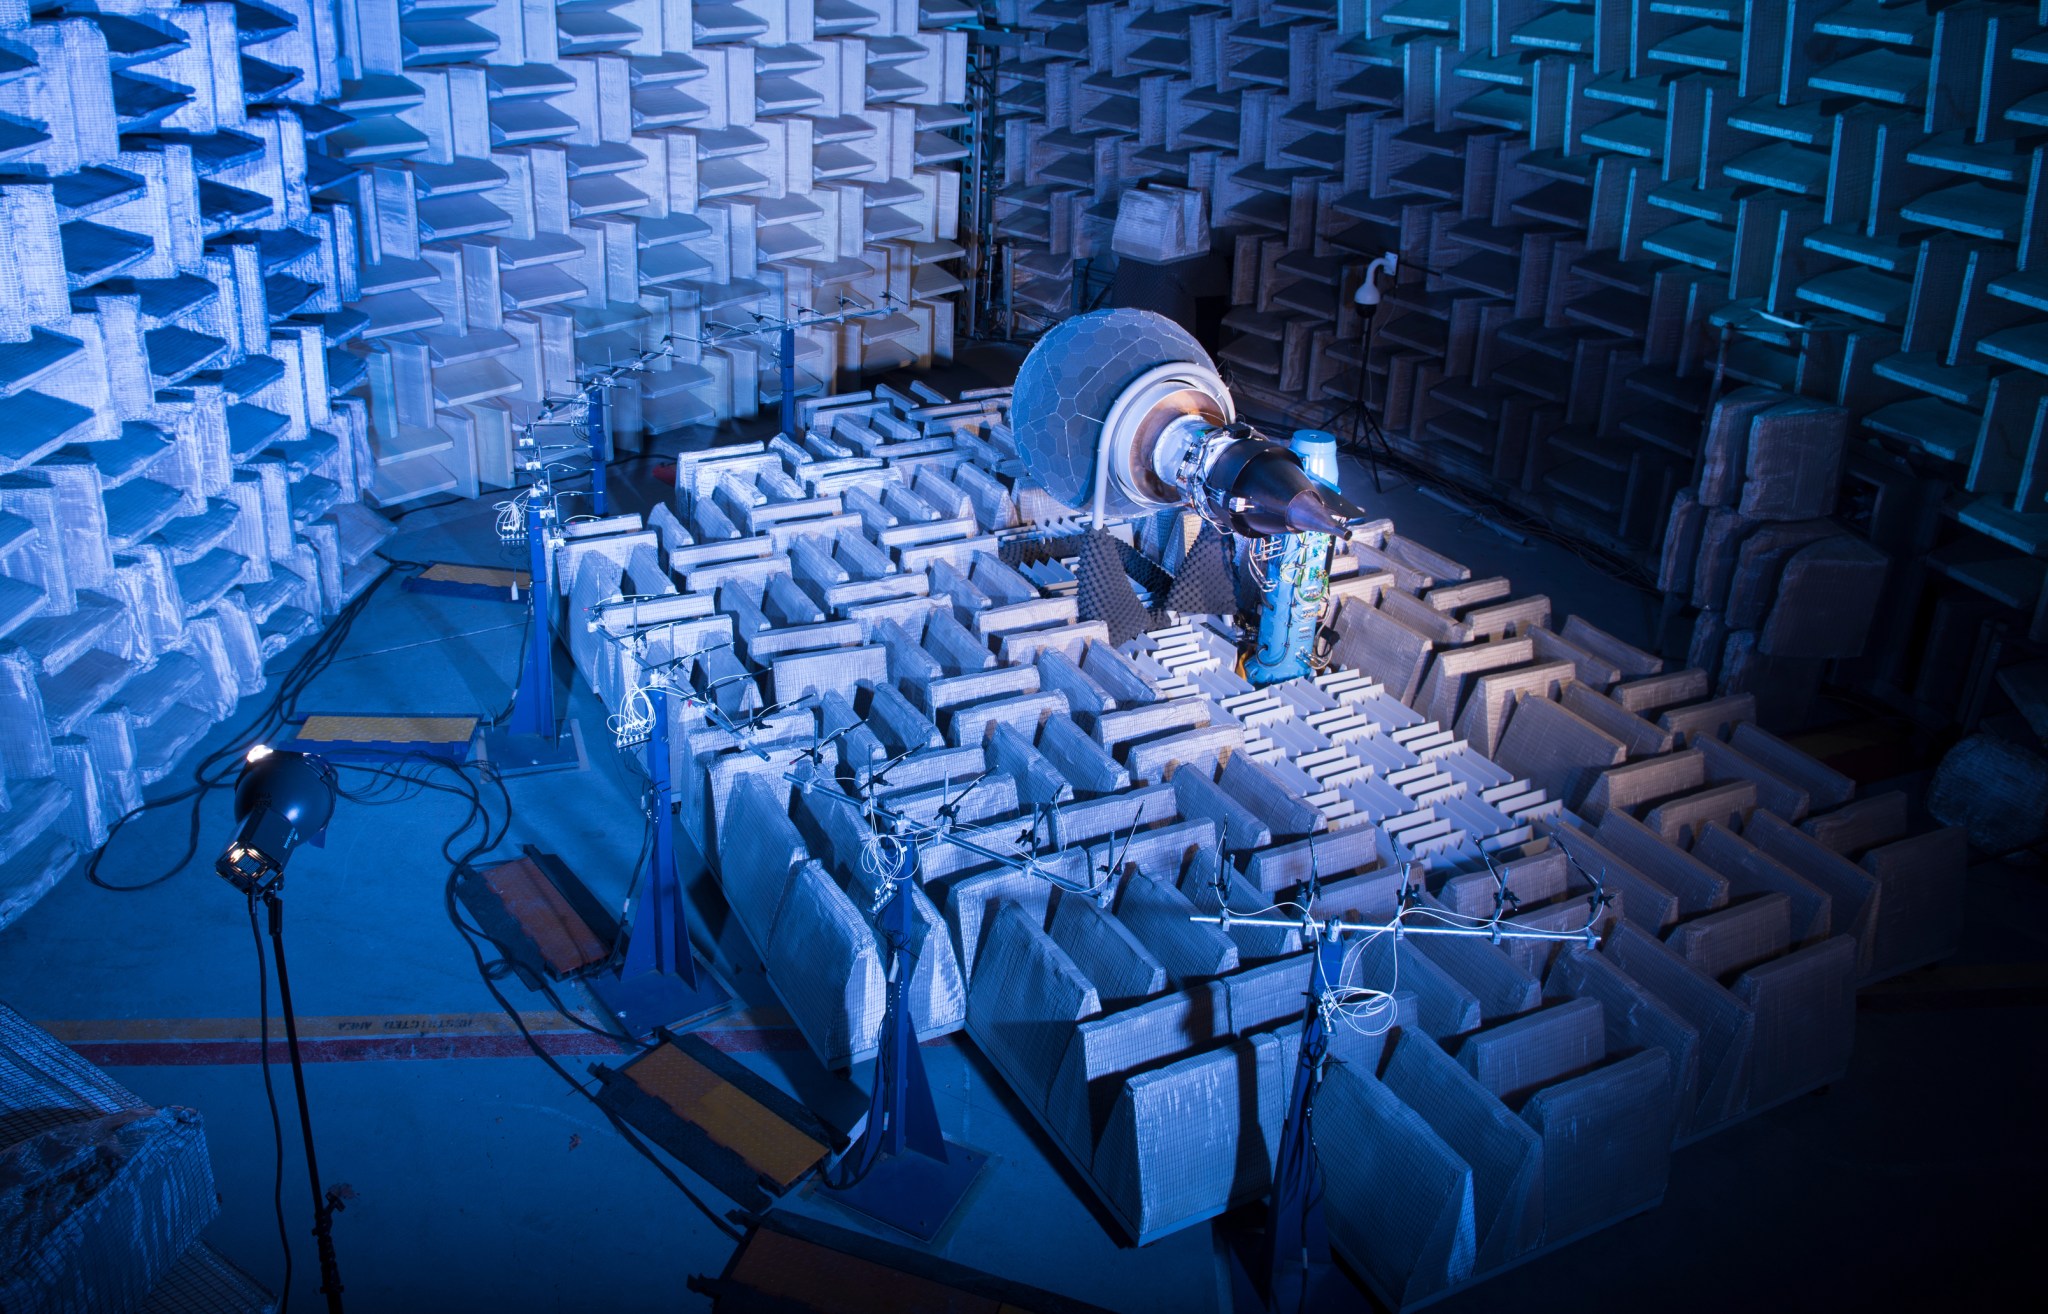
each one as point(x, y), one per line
point(178, 1053)
point(360, 1049)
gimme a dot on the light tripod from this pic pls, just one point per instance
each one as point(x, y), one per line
point(326, 1203)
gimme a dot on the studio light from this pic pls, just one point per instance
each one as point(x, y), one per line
point(282, 800)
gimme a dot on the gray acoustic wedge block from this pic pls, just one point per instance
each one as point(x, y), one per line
point(974, 901)
point(1697, 886)
point(1186, 1141)
point(1025, 1002)
point(1372, 641)
point(1513, 1059)
point(1864, 824)
point(1269, 798)
point(1445, 1008)
point(1517, 882)
point(1642, 738)
point(1642, 899)
point(1805, 1007)
point(1400, 1203)
point(1827, 599)
point(1793, 464)
point(1493, 699)
point(1505, 1153)
point(1254, 943)
point(1728, 941)
point(1087, 766)
point(1091, 1069)
point(1330, 856)
point(1852, 892)
point(757, 856)
point(1724, 456)
point(1774, 794)
point(1197, 795)
point(1488, 975)
point(1823, 785)
point(1556, 749)
point(1122, 970)
point(824, 963)
point(1606, 1143)
point(1635, 1019)
point(1159, 916)
point(1920, 910)
point(1750, 871)
point(1726, 1025)
point(1631, 787)
point(1263, 996)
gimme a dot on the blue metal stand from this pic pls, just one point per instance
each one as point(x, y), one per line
point(789, 382)
point(598, 425)
point(1296, 1241)
point(903, 1170)
point(1296, 580)
point(531, 738)
point(658, 983)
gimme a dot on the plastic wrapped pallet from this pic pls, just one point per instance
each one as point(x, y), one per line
point(1400, 1202)
point(1606, 1143)
point(1025, 1002)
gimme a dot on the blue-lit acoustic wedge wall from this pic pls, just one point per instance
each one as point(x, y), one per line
point(271, 264)
point(181, 455)
point(1614, 214)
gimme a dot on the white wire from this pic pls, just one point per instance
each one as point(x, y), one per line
point(1365, 1010)
point(635, 718)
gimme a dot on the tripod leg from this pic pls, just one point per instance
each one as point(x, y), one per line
point(324, 1205)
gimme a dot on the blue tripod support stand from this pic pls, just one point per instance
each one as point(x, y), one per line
point(788, 363)
point(902, 1171)
point(1297, 1244)
point(597, 422)
point(1295, 578)
point(532, 737)
point(658, 982)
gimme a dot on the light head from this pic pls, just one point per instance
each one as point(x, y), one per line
point(282, 800)
point(1367, 297)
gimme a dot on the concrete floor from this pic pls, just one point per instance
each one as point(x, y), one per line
point(480, 1182)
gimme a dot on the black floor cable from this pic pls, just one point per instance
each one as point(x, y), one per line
point(218, 769)
point(493, 971)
